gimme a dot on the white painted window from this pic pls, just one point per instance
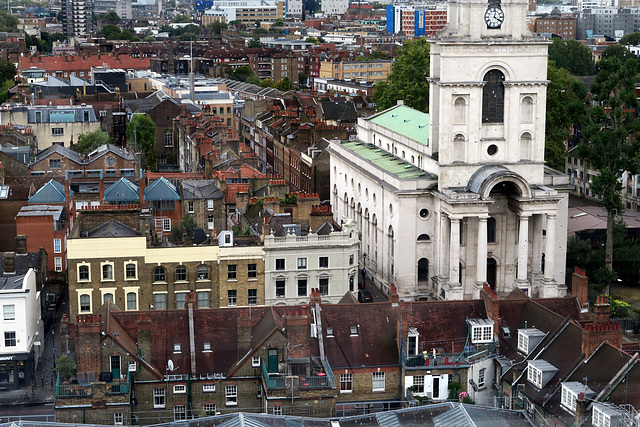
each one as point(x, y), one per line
point(118, 419)
point(534, 376)
point(346, 383)
point(210, 204)
point(58, 263)
point(57, 245)
point(255, 362)
point(277, 410)
point(482, 334)
point(481, 375)
point(231, 394)
point(158, 398)
point(179, 389)
point(166, 224)
point(9, 312)
point(179, 412)
point(523, 343)
point(208, 388)
point(209, 408)
point(378, 381)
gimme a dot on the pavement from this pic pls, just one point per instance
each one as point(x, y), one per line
point(376, 293)
point(44, 378)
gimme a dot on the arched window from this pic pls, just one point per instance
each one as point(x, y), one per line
point(525, 146)
point(203, 272)
point(181, 273)
point(458, 148)
point(107, 298)
point(424, 238)
point(132, 301)
point(159, 274)
point(491, 230)
point(85, 303)
point(423, 269)
point(493, 97)
point(526, 110)
point(459, 107)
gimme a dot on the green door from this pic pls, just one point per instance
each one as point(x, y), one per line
point(115, 367)
point(272, 361)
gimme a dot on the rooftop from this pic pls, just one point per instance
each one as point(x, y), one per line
point(11, 283)
point(387, 161)
point(406, 121)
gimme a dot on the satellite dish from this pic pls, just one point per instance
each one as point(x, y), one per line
point(170, 365)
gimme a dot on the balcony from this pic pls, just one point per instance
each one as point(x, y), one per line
point(439, 359)
point(320, 378)
point(78, 388)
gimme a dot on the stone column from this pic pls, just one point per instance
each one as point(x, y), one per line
point(444, 246)
point(454, 252)
point(523, 248)
point(481, 259)
point(536, 264)
point(550, 248)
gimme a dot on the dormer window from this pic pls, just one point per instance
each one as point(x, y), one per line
point(539, 372)
point(176, 348)
point(570, 392)
point(528, 339)
point(481, 331)
point(329, 332)
point(607, 414)
point(354, 331)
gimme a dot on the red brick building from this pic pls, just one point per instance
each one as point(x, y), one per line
point(46, 227)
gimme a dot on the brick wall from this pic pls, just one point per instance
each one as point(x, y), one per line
point(242, 283)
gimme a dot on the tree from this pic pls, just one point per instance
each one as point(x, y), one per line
point(182, 19)
point(572, 55)
point(312, 40)
point(243, 73)
point(408, 80)
point(187, 224)
point(619, 51)
point(373, 56)
point(259, 31)
point(111, 32)
point(235, 22)
point(302, 79)
point(8, 23)
point(632, 39)
point(267, 83)
point(141, 134)
point(254, 42)
point(65, 366)
point(186, 37)
point(283, 85)
point(608, 146)
point(112, 16)
point(217, 27)
point(7, 70)
point(87, 142)
point(565, 106)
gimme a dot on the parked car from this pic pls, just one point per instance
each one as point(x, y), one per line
point(364, 296)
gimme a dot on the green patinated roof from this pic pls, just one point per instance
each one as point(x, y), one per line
point(406, 121)
point(387, 161)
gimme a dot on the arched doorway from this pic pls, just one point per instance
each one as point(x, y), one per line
point(423, 269)
point(492, 272)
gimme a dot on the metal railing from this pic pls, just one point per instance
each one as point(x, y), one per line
point(471, 354)
point(273, 382)
point(76, 389)
point(323, 379)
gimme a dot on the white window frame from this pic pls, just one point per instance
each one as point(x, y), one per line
point(208, 388)
point(569, 399)
point(113, 273)
point(378, 382)
point(346, 379)
point(166, 224)
point(412, 350)
point(302, 263)
point(523, 343)
point(418, 383)
point(12, 312)
point(534, 375)
point(231, 395)
point(190, 207)
point(177, 348)
point(482, 372)
point(88, 272)
point(159, 398)
point(599, 418)
point(255, 362)
point(277, 409)
point(200, 300)
point(58, 263)
point(179, 412)
point(57, 246)
point(209, 408)
point(211, 222)
point(232, 299)
point(135, 266)
point(481, 334)
point(118, 418)
point(209, 204)
point(179, 389)
point(87, 292)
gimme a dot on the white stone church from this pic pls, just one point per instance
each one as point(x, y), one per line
point(450, 200)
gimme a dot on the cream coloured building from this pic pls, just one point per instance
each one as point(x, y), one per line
point(450, 200)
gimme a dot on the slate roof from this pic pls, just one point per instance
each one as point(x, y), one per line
point(200, 189)
point(11, 282)
point(375, 344)
point(583, 218)
point(51, 192)
point(341, 111)
point(112, 228)
point(122, 190)
point(161, 190)
point(60, 149)
point(473, 416)
point(110, 148)
point(23, 262)
point(56, 212)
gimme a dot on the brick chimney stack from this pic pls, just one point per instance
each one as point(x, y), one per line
point(492, 305)
point(145, 336)
point(9, 262)
point(393, 295)
point(602, 329)
point(244, 335)
point(602, 309)
point(88, 345)
point(297, 326)
point(581, 409)
point(21, 244)
point(580, 286)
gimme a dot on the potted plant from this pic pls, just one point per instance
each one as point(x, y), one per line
point(65, 366)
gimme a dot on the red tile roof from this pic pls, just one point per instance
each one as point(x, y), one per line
point(79, 63)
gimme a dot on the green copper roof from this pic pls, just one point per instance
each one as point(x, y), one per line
point(387, 161)
point(406, 121)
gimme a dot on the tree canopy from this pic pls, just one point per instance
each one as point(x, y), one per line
point(113, 32)
point(217, 27)
point(572, 55)
point(87, 142)
point(565, 106)
point(632, 39)
point(112, 16)
point(254, 42)
point(8, 23)
point(408, 80)
point(141, 134)
point(609, 146)
point(619, 51)
point(243, 73)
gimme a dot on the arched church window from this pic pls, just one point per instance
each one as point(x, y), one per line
point(493, 97)
point(525, 146)
point(459, 111)
point(424, 238)
point(458, 147)
point(526, 110)
point(491, 230)
point(423, 269)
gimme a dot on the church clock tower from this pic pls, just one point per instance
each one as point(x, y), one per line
point(488, 107)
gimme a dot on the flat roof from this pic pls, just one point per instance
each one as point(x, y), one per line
point(406, 121)
point(387, 161)
point(41, 210)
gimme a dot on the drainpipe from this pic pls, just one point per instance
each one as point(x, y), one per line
point(132, 390)
point(192, 343)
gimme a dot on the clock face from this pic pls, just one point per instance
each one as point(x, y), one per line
point(494, 16)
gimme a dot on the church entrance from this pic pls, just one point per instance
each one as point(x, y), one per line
point(423, 270)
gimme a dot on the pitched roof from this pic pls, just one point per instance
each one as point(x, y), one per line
point(68, 63)
point(112, 228)
point(161, 190)
point(51, 192)
point(200, 189)
point(122, 190)
point(60, 149)
point(406, 121)
point(342, 111)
